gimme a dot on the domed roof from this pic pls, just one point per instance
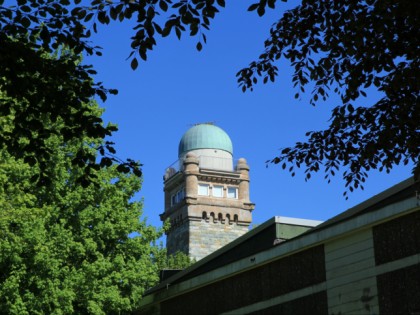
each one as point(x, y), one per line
point(205, 136)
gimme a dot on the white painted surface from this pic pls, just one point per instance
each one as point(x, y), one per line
point(297, 221)
point(351, 275)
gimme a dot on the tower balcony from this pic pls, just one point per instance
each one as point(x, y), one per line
point(205, 163)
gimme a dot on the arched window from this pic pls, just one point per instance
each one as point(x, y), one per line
point(220, 217)
point(204, 217)
point(213, 217)
point(235, 218)
point(228, 219)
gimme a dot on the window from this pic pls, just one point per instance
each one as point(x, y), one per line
point(180, 195)
point(177, 197)
point(218, 191)
point(203, 189)
point(232, 192)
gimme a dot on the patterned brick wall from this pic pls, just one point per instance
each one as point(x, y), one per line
point(395, 242)
point(397, 239)
point(399, 291)
point(283, 276)
point(314, 304)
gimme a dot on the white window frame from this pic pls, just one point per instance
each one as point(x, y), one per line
point(229, 190)
point(201, 191)
point(216, 188)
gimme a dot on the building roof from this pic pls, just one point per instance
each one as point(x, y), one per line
point(261, 238)
point(253, 252)
point(205, 136)
point(403, 190)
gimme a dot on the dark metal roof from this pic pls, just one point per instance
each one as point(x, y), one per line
point(400, 191)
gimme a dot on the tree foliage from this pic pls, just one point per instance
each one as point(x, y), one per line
point(65, 249)
point(30, 30)
point(179, 260)
point(343, 47)
point(347, 47)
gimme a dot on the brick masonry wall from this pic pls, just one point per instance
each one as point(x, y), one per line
point(268, 281)
point(177, 239)
point(399, 291)
point(397, 238)
point(207, 237)
point(201, 238)
point(395, 241)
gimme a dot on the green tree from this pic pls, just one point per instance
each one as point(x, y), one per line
point(347, 47)
point(65, 249)
point(344, 46)
point(179, 260)
point(59, 88)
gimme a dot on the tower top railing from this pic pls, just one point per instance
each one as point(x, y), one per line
point(204, 162)
point(172, 169)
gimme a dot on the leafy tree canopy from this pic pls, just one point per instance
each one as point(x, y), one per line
point(65, 249)
point(343, 47)
point(58, 88)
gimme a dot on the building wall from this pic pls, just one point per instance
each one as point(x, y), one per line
point(374, 269)
point(201, 238)
point(212, 159)
point(351, 279)
point(267, 282)
point(202, 222)
point(177, 239)
point(206, 236)
point(397, 258)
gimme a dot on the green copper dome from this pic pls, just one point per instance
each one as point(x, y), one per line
point(205, 136)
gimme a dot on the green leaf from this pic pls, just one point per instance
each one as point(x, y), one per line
point(261, 10)
point(163, 5)
point(31, 160)
point(253, 7)
point(199, 46)
point(25, 8)
point(178, 32)
point(113, 13)
point(25, 22)
point(134, 63)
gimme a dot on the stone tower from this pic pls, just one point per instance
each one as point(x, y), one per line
point(206, 195)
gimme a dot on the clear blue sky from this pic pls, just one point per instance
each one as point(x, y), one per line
point(178, 87)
